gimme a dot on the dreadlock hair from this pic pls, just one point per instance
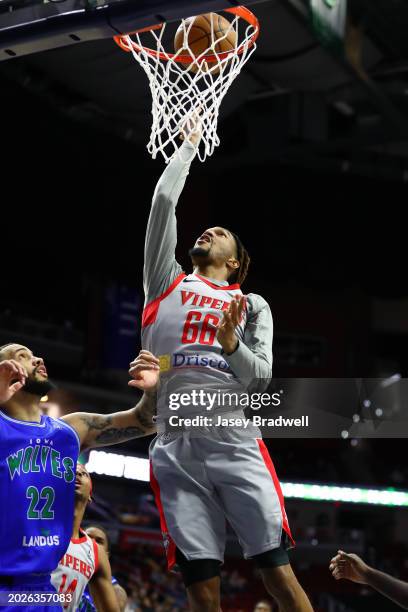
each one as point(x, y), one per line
point(239, 275)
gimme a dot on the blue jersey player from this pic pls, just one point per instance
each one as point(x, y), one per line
point(38, 456)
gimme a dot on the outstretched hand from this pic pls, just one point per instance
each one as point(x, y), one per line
point(232, 317)
point(12, 379)
point(349, 567)
point(144, 370)
point(191, 129)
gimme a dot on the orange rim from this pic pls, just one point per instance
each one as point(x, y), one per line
point(240, 11)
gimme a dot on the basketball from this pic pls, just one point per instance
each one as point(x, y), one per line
point(201, 32)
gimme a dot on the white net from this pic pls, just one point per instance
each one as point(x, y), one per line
point(182, 91)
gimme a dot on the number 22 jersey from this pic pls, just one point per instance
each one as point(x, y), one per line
point(37, 488)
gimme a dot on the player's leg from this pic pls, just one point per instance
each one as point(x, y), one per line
point(281, 582)
point(254, 505)
point(192, 520)
point(201, 578)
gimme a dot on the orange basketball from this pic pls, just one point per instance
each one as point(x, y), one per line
point(202, 33)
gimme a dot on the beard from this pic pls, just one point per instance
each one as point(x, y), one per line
point(38, 387)
point(199, 252)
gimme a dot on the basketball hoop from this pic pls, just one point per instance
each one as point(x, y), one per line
point(186, 86)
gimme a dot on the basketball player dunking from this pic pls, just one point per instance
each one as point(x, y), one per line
point(38, 455)
point(209, 337)
point(85, 561)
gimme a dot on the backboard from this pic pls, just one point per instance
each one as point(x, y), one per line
point(30, 26)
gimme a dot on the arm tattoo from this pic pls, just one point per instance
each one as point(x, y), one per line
point(109, 435)
point(114, 435)
point(96, 422)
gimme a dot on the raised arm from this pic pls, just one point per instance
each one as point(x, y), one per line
point(105, 429)
point(160, 265)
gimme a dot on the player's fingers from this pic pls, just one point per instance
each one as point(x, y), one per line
point(344, 556)
point(16, 367)
point(137, 362)
point(22, 372)
point(234, 312)
point(239, 303)
point(13, 362)
point(140, 367)
point(342, 567)
point(140, 363)
point(137, 383)
point(16, 386)
point(241, 307)
point(223, 320)
point(335, 567)
point(225, 315)
point(340, 559)
point(15, 372)
point(145, 365)
point(228, 319)
point(10, 367)
point(145, 356)
point(146, 353)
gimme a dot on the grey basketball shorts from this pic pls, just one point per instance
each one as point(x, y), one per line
point(199, 482)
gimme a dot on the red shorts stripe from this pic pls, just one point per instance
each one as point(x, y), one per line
point(169, 544)
point(271, 468)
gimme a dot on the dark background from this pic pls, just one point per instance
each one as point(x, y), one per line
point(327, 249)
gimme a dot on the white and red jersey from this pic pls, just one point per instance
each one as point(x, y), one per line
point(75, 569)
point(180, 328)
